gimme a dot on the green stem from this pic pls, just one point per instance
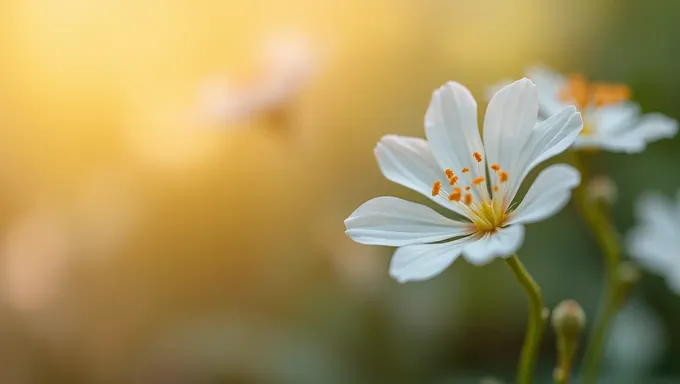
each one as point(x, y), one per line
point(608, 239)
point(566, 348)
point(536, 324)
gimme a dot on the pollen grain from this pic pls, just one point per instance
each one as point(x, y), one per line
point(436, 188)
point(477, 157)
point(502, 176)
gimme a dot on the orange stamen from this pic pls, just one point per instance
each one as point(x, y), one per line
point(468, 199)
point(576, 91)
point(436, 188)
point(495, 188)
point(477, 157)
point(453, 180)
point(478, 180)
point(449, 173)
point(496, 167)
point(607, 94)
point(580, 92)
point(467, 188)
point(503, 176)
point(455, 195)
point(465, 170)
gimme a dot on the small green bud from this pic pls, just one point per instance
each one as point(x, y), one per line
point(628, 273)
point(568, 319)
point(602, 189)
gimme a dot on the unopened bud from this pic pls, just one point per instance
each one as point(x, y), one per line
point(568, 318)
point(628, 273)
point(603, 189)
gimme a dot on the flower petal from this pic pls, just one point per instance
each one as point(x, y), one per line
point(548, 138)
point(654, 241)
point(451, 130)
point(619, 128)
point(408, 161)
point(549, 193)
point(396, 222)
point(549, 85)
point(509, 122)
point(504, 242)
point(656, 126)
point(653, 250)
point(614, 118)
point(424, 261)
point(634, 136)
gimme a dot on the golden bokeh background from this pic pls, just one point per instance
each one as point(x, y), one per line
point(143, 242)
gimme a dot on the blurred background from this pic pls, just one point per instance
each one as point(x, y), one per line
point(174, 177)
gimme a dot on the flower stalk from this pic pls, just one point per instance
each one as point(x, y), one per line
point(568, 321)
point(536, 324)
point(608, 239)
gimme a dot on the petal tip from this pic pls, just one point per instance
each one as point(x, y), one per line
point(526, 82)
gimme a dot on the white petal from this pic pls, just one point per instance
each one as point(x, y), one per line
point(656, 209)
point(549, 193)
point(396, 222)
point(549, 86)
point(655, 126)
point(451, 130)
point(653, 250)
point(654, 242)
point(492, 90)
point(620, 129)
point(509, 122)
point(614, 118)
point(548, 138)
point(408, 161)
point(424, 261)
point(504, 242)
point(604, 142)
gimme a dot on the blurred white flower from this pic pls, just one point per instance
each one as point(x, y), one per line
point(286, 61)
point(37, 250)
point(513, 145)
point(636, 342)
point(655, 241)
point(611, 121)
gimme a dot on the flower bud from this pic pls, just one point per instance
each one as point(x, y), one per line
point(602, 189)
point(568, 319)
point(627, 275)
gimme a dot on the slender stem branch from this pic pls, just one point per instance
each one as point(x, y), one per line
point(609, 242)
point(536, 323)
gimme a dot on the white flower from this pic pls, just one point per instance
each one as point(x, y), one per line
point(655, 241)
point(286, 60)
point(490, 225)
point(611, 121)
point(637, 341)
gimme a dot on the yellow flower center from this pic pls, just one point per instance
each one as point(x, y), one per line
point(486, 209)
